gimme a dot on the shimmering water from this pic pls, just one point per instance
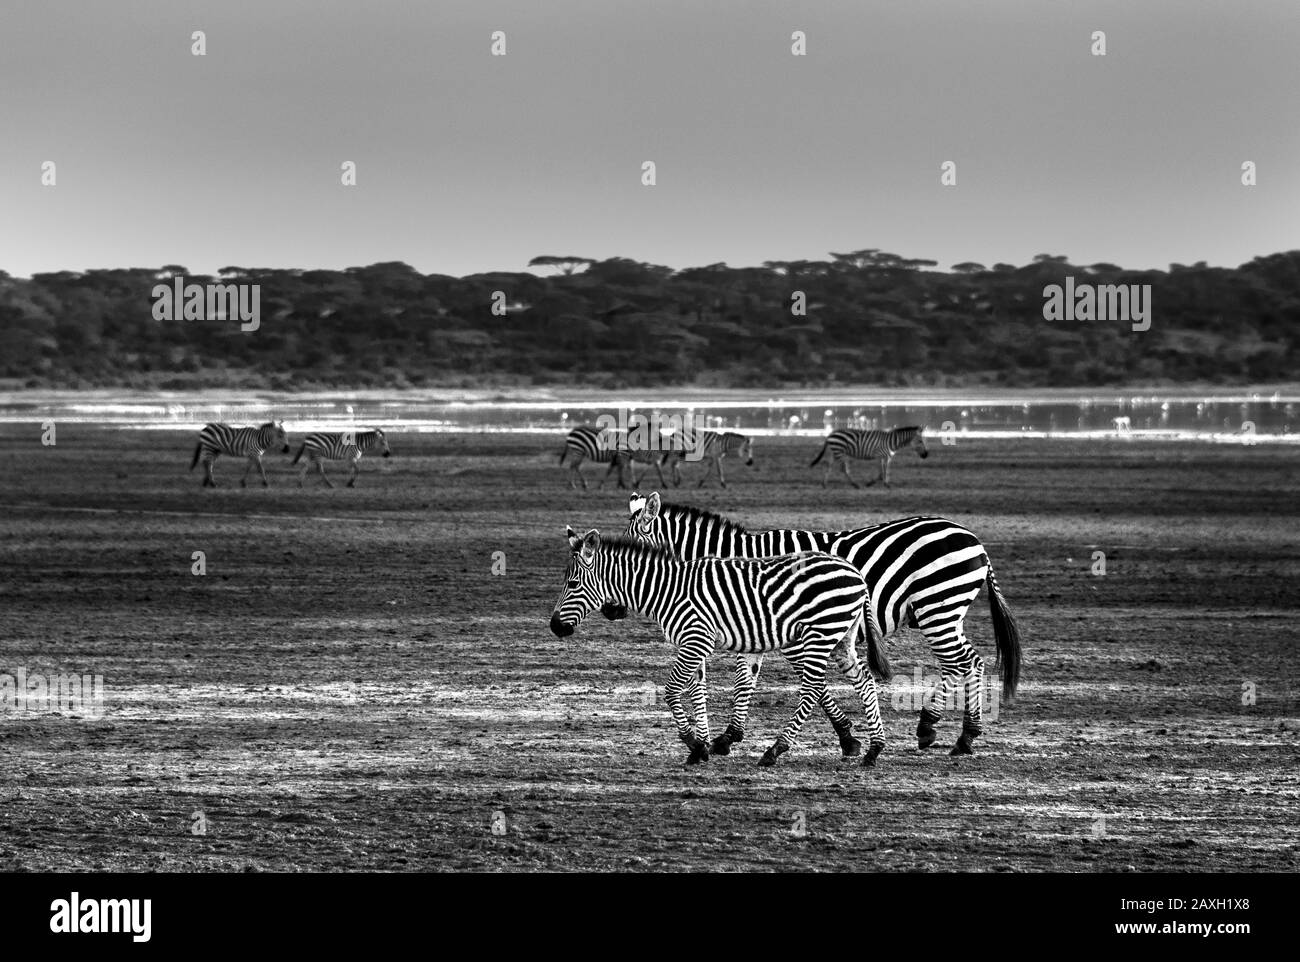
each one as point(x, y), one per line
point(1223, 416)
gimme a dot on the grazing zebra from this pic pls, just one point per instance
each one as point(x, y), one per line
point(218, 439)
point(883, 445)
point(925, 571)
point(604, 447)
point(805, 605)
point(340, 446)
point(713, 447)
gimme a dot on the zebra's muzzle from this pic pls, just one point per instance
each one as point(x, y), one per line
point(285, 449)
point(560, 629)
point(925, 454)
point(388, 454)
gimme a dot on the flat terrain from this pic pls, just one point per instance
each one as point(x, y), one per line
point(350, 686)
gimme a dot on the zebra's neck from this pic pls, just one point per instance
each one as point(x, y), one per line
point(645, 581)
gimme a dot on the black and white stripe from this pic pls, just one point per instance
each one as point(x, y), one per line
point(710, 446)
point(604, 446)
point(806, 606)
point(869, 445)
point(250, 443)
point(925, 572)
point(339, 446)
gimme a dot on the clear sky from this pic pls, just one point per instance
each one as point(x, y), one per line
point(468, 162)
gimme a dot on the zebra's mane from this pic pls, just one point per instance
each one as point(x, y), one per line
point(705, 516)
point(638, 549)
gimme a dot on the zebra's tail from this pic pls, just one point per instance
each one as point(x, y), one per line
point(825, 445)
point(877, 656)
point(198, 449)
point(301, 449)
point(563, 453)
point(1008, 638)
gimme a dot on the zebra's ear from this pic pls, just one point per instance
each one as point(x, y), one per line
point(590, 542)
point(635, 503)
point(652, 505)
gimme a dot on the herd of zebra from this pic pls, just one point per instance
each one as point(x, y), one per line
point(604, 446)
point(251, 443)
point(711, 585)
point(583, 444)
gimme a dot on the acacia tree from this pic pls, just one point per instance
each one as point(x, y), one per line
point(567, 265)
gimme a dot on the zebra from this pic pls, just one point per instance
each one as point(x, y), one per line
point(340, 446)
point(604, 447)
point(806, 605)
point(713, 447)
point(883, 445)
point(218, 439)
point(922, 571)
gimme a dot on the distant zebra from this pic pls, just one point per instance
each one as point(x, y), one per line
point(882, 445)
point(218, 439)
point(713, 447)
point(339, 446)
point(806, 606)
point(604, 447)
point(925, 572)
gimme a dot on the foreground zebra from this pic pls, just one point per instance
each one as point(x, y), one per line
point(806, 605)
point(219, 439)
point(925, 570)
point(713, 447)
point(603, 447)
point(340, 446)
point(881, 445)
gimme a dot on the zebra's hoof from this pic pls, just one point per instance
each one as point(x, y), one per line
point(700, 753)
point(351, 484)
point(721, 745)
point(925, 736)
point(771, 755)
point(243, 483)
point(869, 759)
point(963, 747)
point(850, 747)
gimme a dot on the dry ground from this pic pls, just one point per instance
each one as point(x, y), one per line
point(351, 687)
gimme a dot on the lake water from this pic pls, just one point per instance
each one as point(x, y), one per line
point(1224, 416)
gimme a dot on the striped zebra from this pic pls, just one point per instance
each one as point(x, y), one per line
point(881, 445)
point(604, 447)
point(340, 446)
point(218, 439)
point(713, 447)
point(922, 571)
point(807, 606)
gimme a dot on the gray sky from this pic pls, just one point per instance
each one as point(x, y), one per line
point(468, 162)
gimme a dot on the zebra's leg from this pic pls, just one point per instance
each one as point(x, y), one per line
point(844, 463)
point(320, 467)
point(722, 480)
point(810, 662)
point(608, 471)
point(243, 481)
point(846, 657)
point(827, 476)
point(208, 480)
point(850, 747)
point(744, 681)
point(261, 469)
point(302, 474)
point(888, 463)
point(713, 462)
point(972, 709)
point(356, 469)
point(691, 652)
point(698, 693)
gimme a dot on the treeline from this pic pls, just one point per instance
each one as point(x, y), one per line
point(871, 318)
